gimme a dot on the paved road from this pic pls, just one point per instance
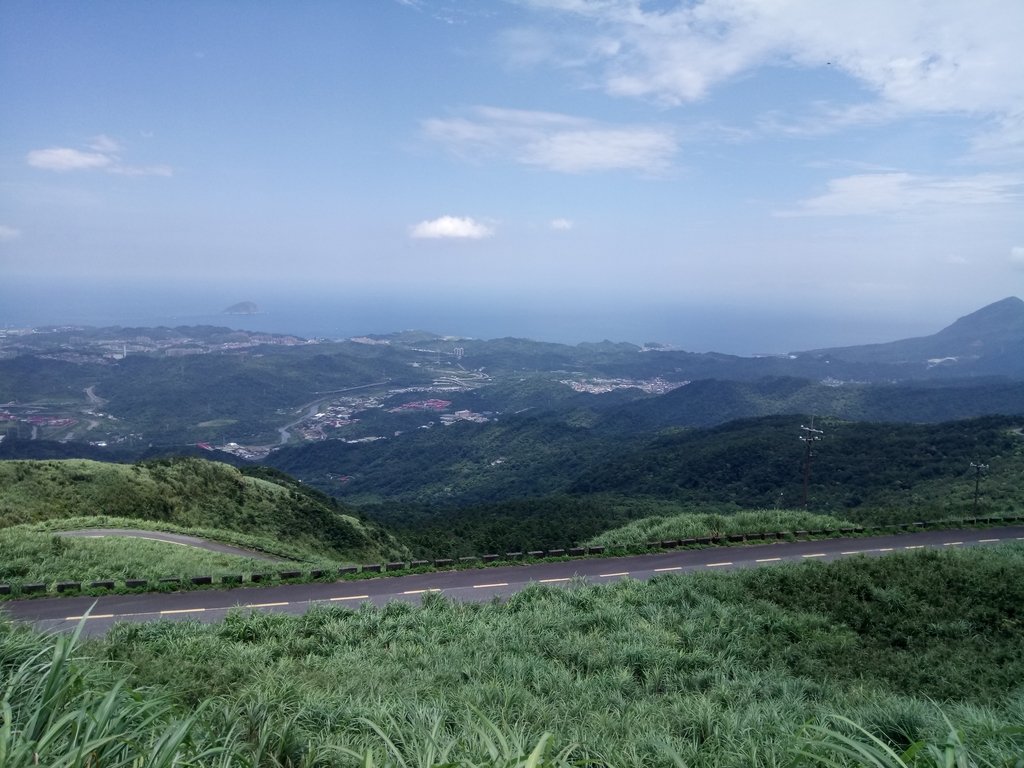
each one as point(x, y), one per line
point(170, 538)
point(477, 584)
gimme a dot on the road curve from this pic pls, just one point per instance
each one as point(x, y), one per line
point(169, 538)
point(476, 584)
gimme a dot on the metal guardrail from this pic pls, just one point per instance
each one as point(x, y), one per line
point(356, 571)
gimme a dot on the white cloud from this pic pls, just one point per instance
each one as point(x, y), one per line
point(451, 227)
point(104, 156)
point(1017, 256)
point(890, 193)
point(561, 225)
point(935, 56)
point(555, 141)
point(67, 159)
point(7, 234)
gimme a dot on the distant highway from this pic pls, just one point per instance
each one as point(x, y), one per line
point(477, 584)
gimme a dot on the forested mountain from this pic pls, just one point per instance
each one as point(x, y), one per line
point(988, 341)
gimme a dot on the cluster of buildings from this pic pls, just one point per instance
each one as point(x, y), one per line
point(655, 386)
point(422, 405)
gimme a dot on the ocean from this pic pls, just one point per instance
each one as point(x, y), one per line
point(733, 329)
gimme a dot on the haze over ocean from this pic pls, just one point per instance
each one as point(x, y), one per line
point(741, 330)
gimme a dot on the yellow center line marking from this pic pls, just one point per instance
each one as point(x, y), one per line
point(420, 591)
point(550, 581)
point(986, 541)
point(182, 610)
point(816, 554)
point(92, 616)
point(263, 605)
point(952, 543)
point(673, 568)
point(768, 560)
point(609, 575)
point(716, 565)
point(485, 586)
point(351, 597)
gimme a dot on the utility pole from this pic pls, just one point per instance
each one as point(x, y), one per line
point(978, 469)
point(809, 437)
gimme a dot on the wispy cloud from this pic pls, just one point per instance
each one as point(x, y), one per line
point(103, 155)
point(104, 144)
point(555, 141)
point(452, 227)
point(67, 159)
point(7, 234)
point(936, 57)
point(560, 225)
point(892, 193)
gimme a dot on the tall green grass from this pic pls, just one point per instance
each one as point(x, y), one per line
point(34, 556)
point(754, 668)
point(694, 525)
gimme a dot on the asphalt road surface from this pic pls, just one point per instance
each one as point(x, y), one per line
point(475, 584)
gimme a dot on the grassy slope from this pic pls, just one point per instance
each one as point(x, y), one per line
point(690, 525)
point(37, 556)
point(720, 669)
point(189, 493)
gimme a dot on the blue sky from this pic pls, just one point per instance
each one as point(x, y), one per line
point(858, 160)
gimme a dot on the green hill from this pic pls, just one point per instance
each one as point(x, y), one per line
point(186, 493)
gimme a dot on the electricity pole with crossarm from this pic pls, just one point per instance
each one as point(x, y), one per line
point(809, 437)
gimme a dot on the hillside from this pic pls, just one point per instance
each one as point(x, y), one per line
point(189, 493)
point(748, 462)
point(865, 470)
point(711, 401)
point(989, 340)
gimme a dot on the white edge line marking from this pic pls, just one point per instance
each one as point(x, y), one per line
point(885, 549)
point(551, 581)
point(816, 554)
point(609, 575)
point(915, 546)
point(262, 605)
point(420, 591)
point(855, 552)
point(92, 616)
point(952, 543)
point(986, 541)
point(154, 538)
point(182, 610)
point(485, 586)
point(716, 565)
point(673, 568)
point(768, 560)
point(348, 597)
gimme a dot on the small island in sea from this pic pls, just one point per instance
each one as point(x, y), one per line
point(242, 308)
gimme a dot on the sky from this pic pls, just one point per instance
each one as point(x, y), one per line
point(849, 169)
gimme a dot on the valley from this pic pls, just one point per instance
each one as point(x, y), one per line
point(511, 551)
